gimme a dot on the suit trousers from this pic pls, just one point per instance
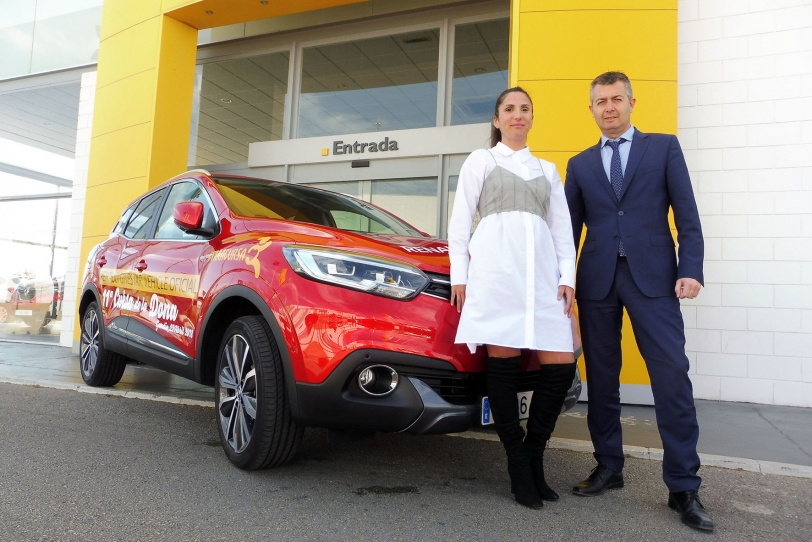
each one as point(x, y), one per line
point(660, 335)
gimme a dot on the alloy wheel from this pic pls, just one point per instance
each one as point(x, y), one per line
point(89, 345)
point(3, 315)
point(237, 400)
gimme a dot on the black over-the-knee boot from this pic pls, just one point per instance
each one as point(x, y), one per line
point(502, 377)
point(548, 397)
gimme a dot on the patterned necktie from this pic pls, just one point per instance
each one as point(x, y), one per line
point(616, 178)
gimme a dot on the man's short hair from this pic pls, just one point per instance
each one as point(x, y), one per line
point(610, 78)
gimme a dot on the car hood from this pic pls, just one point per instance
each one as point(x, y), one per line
point(425, 250)
point(422, 252)
point(426, 253)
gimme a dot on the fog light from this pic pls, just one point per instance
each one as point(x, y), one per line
point(378, 380)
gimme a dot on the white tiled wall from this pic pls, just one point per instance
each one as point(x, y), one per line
point(745, 123)
point(74, 266)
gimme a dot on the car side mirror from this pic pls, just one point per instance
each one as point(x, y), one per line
point(188, 216)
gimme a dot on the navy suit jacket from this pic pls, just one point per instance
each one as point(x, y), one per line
point(656, 179)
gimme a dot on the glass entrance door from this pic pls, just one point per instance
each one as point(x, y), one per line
point(413, 200)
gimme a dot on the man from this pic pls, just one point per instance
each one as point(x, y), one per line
point(622, 189)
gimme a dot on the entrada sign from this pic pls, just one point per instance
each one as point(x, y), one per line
point(339, 147)
point(419, 142)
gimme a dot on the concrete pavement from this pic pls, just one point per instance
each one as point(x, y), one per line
point(83, 467)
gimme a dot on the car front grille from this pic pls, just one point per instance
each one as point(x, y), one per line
point(462, 388)
point(440, 286)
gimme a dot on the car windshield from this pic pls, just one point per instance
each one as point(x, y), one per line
point(255, 198)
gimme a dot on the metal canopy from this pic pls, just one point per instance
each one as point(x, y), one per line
point(29, 197)
point(35, 175)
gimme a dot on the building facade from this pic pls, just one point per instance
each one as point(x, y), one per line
point(384, 99)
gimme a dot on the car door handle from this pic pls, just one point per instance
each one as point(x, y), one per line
point(102, 261)
point(141, 265)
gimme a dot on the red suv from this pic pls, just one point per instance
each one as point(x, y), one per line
point(302, 307)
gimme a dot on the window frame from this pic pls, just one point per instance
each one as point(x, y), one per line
point(446, 19)
point(123, 222)
point(378, 33)
point(151, 231)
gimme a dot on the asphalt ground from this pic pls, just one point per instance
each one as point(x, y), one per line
point(79, 466)
point(760, 438)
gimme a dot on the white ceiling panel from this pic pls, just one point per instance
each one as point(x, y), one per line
point(45, 118)
point(253, 96)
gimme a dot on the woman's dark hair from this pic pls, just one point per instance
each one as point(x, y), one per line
point(496, 134)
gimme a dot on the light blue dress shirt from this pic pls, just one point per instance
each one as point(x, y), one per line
point(606, 151)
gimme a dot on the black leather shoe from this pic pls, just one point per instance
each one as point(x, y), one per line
point(692, 513)
point(601, 479)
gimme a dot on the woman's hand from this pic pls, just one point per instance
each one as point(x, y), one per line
point(563, 291)
point(458, 296)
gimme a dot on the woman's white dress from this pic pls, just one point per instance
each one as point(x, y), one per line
point(520, 252)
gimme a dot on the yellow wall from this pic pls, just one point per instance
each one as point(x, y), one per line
point(142, 110)
point(559, 46)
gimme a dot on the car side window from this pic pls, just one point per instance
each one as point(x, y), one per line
point(123, 219)
point(180, 192)
point(140, 225)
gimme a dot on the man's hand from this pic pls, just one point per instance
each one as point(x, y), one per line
point(687, 288)
point(458, 296)
point(569, 296)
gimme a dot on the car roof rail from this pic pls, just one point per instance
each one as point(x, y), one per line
point(199, 170)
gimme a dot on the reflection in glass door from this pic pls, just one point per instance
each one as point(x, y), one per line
point(452, 193)
point(413, 200)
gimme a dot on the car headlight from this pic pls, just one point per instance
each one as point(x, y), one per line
point(359, 272)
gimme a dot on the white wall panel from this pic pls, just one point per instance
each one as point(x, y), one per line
point(747, 342)
point(74, 267)
point(721, 364)
point(745, 114)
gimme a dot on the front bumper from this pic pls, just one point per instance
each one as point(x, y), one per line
point(432, 397)
point(414, 407)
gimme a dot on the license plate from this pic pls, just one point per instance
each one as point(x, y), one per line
point(23, 312)
point(524, 407)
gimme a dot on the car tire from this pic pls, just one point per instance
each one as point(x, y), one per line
point(98, 365)
point(3, 315)
point(253, 414)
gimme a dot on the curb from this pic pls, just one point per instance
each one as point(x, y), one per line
point(571, 445)
point(112, 392)
point(23, 341)
point(656, 454)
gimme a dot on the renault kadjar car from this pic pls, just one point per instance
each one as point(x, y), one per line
point(302, 307)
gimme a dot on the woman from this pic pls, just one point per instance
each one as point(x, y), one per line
point(516, 290)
